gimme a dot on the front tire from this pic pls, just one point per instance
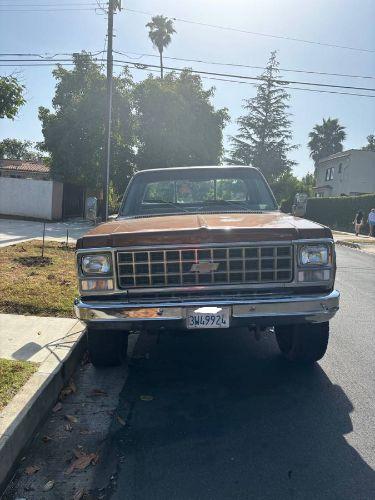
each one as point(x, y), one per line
point(107, 347)
point(304, 343)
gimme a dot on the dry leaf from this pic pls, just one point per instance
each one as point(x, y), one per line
point(120, 420)
point(69, 389)
point(57, 407)
point(32, 469)
point(82, 462)
point(46, 439)
point(146, 397)
point(84, 432)
point(49, 485)
point(78, 494)
point(98, 392)
point(71, 418)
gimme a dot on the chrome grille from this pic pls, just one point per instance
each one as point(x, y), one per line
point(173, 267)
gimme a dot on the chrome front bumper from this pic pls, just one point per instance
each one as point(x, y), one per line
point(264, 311)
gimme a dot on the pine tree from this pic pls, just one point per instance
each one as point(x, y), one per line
point(264, 136)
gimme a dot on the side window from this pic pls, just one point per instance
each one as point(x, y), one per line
point(340, 168)
point(327, 174)
point(331, 174)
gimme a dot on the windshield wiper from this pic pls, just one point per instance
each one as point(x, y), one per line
point(239, 204)
point(175, 205)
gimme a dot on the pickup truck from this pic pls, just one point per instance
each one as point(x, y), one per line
point(198, 248)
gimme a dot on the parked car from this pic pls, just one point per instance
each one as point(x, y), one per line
point(205, 247)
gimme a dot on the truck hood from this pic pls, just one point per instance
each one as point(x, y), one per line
point(202, 228)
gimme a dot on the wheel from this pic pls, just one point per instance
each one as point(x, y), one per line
point(304, 343)
point(107, 347)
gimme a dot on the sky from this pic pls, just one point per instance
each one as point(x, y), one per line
point(341, 22)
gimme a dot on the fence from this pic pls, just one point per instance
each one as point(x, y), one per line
point(338, 212)
point(37, 199)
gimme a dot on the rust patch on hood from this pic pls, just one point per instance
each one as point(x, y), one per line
point(202, 228)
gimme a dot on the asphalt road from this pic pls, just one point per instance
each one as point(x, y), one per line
point(230, 419)
point(225, 417)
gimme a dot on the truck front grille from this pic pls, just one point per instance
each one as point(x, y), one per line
point(229, 266)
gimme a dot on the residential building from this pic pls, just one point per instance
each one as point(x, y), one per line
point(21, 169)
point(348, 173)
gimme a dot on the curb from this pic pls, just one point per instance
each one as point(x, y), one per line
point(348, 244)
point(21, 417)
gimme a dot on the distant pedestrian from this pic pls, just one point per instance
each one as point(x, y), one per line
point(358, 221)
point(371, 222)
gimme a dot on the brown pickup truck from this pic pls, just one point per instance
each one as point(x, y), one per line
point(205, 247)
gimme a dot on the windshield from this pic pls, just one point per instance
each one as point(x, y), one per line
point(197, 191)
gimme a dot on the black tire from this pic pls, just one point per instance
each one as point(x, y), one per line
point(107, 347)
point(304, 343)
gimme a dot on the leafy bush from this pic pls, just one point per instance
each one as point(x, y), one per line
point(339, 212)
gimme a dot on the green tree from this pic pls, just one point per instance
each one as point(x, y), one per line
point(11, 96)
point(17, 150)
point(288, 185)
point(264, 137)
point(177, 123)
point(370, 146)
point(74, 134)
point(160, 33)
point(326, 139)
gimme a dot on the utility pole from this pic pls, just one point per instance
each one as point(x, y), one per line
point(112, 5)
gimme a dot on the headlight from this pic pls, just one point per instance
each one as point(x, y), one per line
point(96, 264)
point(314, 255)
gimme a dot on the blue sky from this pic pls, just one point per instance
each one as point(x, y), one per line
point(343, 22)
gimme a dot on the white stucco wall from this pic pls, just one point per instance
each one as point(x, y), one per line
point(357, 174)
point(30, 198)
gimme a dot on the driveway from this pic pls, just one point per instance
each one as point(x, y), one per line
point(15, 231)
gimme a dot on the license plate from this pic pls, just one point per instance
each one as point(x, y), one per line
point(207, 317)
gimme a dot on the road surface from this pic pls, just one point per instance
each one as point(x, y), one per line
point(226, 417)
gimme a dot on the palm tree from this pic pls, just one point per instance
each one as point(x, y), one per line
point(326, 139)
point(160, 31)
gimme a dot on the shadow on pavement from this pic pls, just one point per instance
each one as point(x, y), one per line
point(231, 420)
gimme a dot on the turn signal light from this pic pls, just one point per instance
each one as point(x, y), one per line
point(314, 275)
point(93, 285)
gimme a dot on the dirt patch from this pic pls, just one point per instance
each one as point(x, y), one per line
point(32, 261)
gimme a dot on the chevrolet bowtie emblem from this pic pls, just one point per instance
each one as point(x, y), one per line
point(204, 267)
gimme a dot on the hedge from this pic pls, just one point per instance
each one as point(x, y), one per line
point(339, 212)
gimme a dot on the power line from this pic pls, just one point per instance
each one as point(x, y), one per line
point(274, 80)
point(146, 67)
point(211, 73)
point(216, 63)
point(201, 61)
point(256, 33)
point(51, 10)
point(65, 4)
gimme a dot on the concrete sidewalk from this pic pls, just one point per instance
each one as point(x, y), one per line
point(34, 338)
point(15, 231)
point(362, 242)
point(57, 344)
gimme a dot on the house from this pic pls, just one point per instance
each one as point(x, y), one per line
point(20, 169)
point(348, 173)
point(27, 190)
